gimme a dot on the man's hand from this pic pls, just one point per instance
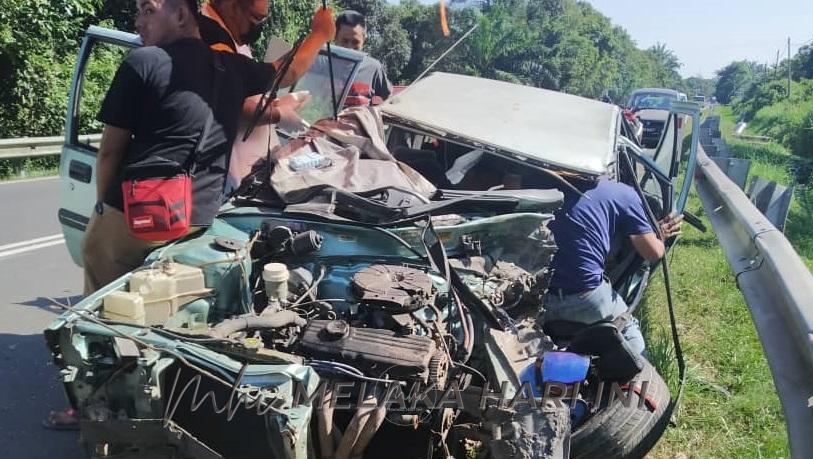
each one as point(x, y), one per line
point(285, 110)
point(292, 101)
point(670, 225)
point(322, 26)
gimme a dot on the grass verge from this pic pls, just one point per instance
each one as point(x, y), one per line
point(774, 162)
point(22, 168)
point(730, 407)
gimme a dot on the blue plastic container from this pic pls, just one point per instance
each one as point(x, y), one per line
point(564, 367)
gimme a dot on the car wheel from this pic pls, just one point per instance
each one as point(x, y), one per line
point(619, 431)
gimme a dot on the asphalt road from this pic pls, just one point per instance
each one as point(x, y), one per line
point(34, 267)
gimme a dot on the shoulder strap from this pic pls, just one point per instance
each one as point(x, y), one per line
point(204, 134)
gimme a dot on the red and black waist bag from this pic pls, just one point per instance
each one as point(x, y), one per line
point(158, 208)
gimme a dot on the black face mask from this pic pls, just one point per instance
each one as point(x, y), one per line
point(253, 33)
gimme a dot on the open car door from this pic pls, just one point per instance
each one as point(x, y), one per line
point(665, 180)
point(101, 52)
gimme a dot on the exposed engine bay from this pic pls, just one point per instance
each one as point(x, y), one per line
point(261, 327)
point(347, 304)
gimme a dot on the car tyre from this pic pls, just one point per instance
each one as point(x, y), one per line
point(624, 432)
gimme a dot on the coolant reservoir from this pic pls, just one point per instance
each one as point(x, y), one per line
point(276, 276)
point(124, 307)
point(165, 288)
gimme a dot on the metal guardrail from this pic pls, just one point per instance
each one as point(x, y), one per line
point(32, 147)
point(755, 138)
point(778, 288)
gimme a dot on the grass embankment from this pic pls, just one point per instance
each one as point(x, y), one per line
point(730, 408)
point(21, 168)
point(774, 162)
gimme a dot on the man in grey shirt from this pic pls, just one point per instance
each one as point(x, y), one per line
point(371, 81)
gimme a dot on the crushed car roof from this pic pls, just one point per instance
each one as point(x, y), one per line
point(531, 124)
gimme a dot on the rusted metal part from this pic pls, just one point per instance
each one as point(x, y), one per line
point(530, 433)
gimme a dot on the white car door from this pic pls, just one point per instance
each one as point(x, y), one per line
point(101, 53)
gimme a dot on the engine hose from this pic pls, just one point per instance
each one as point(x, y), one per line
point(371, 427)
point(467, 325)
point(469, 346)
point(276, 320)
point(325, 427)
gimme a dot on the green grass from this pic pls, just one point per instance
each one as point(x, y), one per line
point(730, 408)
point(22, 168)
point(774, 162)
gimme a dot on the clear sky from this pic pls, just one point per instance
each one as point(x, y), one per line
point(708, 34)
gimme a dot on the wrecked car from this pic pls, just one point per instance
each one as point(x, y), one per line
point(375, 287)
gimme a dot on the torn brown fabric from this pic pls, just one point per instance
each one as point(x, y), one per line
point(353, 158)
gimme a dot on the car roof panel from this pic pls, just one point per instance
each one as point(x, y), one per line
point(530, 124)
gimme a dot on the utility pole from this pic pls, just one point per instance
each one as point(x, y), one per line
point(776, 67)
point(789, 68)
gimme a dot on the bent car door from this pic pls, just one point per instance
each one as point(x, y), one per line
point(100, 54)
point(665, 180)
point(675, 158)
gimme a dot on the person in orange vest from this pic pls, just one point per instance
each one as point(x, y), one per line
point(233, 26)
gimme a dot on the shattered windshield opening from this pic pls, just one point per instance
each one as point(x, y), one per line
point(653, 101)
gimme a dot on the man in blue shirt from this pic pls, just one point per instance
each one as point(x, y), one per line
point(584, 229)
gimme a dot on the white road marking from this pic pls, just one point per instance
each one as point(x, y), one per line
point(29, 242)
point(30, 245)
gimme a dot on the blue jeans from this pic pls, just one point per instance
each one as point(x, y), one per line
point(591, 306)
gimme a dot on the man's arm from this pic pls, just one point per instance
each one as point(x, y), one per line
point(111, 151)
point(381, 84)
point(323, 29)
point(250, 105)
point(649, 245)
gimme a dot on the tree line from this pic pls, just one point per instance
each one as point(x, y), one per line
point(564, 45)
point(771, 103)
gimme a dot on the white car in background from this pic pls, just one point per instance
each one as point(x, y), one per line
point(652, 106)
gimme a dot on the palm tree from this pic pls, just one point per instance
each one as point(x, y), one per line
point(665, 57)
point(666, 64)
point(499, 48)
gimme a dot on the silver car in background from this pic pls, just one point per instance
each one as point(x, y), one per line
point(652, 105)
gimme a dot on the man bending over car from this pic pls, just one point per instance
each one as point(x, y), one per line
point(232, 26)
point(583, 229)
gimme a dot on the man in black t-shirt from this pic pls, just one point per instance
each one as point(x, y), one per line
point(155, 111)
